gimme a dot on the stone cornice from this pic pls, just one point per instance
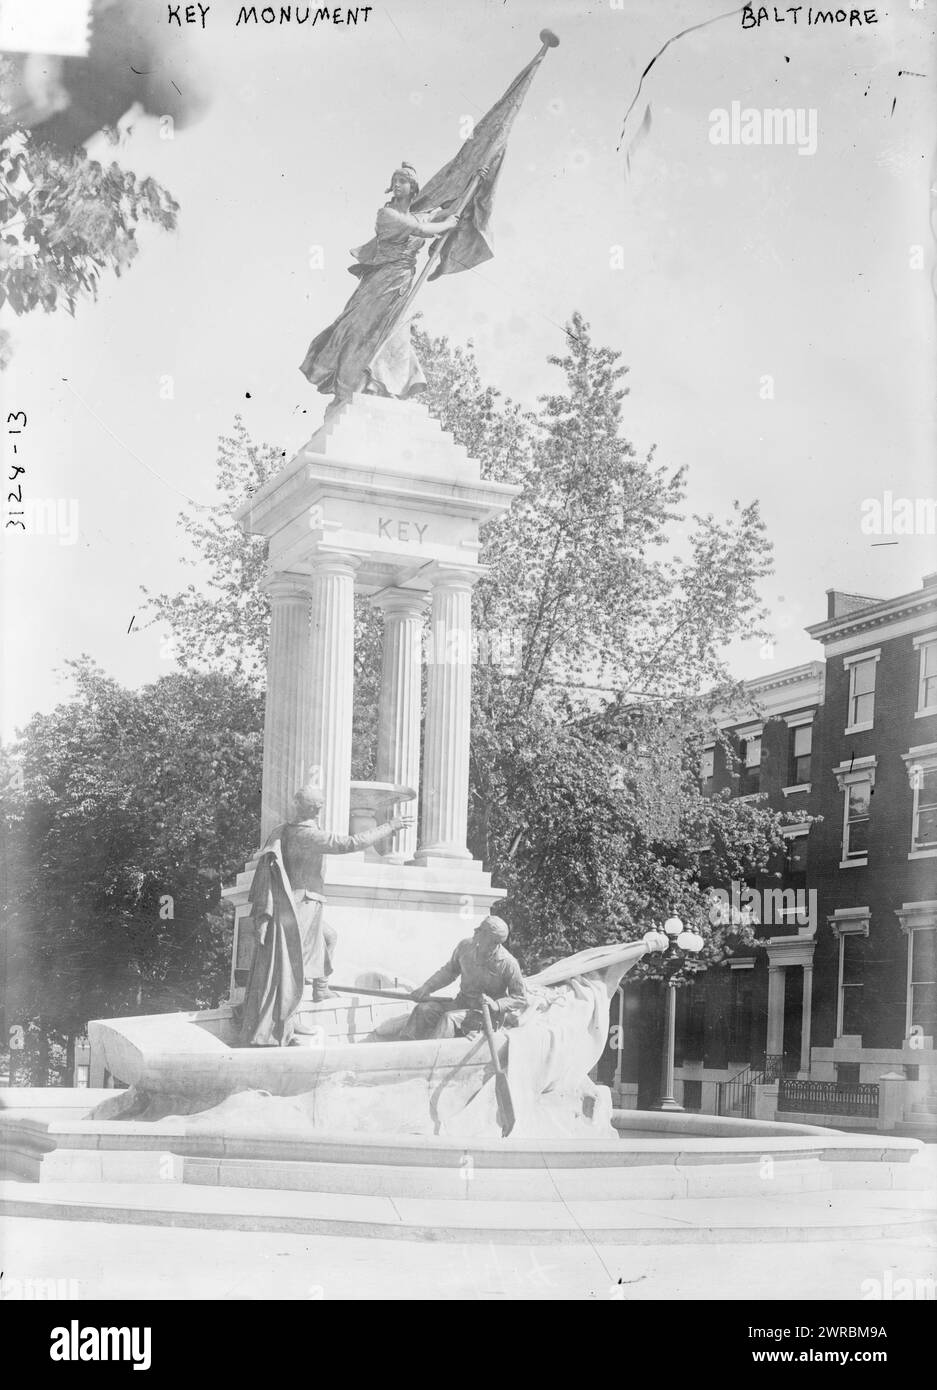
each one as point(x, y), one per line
point(777, 694)
point(876, 615)
point(917, 916)
point(850, 921)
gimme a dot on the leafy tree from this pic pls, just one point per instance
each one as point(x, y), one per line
point(65, 219)
point(601, 625)
point(220, 622)
point(124, 813)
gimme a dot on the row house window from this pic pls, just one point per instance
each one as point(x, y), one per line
point(707, 768)
point(796, 865)
point(919, 922)
point(856, 822)
point(926, 646)
point(850, 926)
point(799, 749)
point(856, 780)
point(922, 983)
point(860, 712)
point(750, 755)
point(925, 810)
point(921, 763)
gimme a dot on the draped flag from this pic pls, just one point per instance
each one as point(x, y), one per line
point(458, 188)
point(469, 245)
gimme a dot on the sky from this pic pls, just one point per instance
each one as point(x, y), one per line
point(775, 308)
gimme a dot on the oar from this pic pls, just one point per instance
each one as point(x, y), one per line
point(395, 994)
point(502, 1088)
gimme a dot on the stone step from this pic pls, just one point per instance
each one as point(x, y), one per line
point(463, 1178)
point(771, 1217)
point(917, 1129)
point(478, 1184)
point(883, 1177)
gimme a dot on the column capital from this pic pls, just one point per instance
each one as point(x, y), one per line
point(279, 584)
point(404, 603)
point(344, 562)
point(446, 576)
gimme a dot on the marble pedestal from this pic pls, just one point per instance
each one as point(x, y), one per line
point(383, 504)
point(399, 921)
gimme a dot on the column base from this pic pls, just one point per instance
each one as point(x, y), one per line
point(667, 1104)
point(427, 855)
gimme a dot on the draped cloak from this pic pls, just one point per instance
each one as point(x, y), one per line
point(275, 986)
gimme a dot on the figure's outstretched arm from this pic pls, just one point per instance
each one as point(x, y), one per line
point(348, 844)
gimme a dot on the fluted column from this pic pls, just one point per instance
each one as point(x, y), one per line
point(776, 983)
point(286, 710)
point(398, 724)
point(332, 680)
point(448, 717)
point(805, 1018)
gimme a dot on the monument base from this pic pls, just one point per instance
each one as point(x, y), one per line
point(397, 921)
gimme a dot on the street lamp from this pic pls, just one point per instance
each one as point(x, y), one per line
point(674, 938)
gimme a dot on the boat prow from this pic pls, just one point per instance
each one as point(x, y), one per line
point(611, 962)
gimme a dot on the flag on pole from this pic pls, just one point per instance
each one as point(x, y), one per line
point(470, 244)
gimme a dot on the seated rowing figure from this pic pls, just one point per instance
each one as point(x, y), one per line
point(485, 970)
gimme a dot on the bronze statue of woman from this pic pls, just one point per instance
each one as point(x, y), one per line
point(341, 359)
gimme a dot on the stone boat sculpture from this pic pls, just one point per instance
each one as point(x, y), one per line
point(183, 1064)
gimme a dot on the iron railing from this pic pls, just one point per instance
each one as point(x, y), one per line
point(828, 1098)
point(735, 1097)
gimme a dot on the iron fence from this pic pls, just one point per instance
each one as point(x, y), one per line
point(828, 1098)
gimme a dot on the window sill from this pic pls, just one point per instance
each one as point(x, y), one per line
point(923, 853)
point(860, 728)
point(855, 863)
point(751, 796)
point(792, 791)
point(925, 713)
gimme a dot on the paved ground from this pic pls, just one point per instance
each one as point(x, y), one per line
point(107, 1261)
point(153, 1262)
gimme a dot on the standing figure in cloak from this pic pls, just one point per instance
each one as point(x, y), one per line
point(294, 945)
point(339, 358)
point(485, 970)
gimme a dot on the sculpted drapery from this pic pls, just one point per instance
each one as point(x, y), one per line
point(338, 359)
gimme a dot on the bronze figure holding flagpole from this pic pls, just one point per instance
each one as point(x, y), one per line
point(368, 347)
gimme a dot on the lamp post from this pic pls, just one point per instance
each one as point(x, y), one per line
point(673, 938)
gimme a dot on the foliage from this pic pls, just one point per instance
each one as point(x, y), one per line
point(66, 219)
point(601, 624)
point(125, 812)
